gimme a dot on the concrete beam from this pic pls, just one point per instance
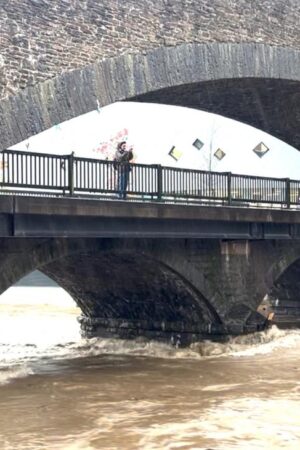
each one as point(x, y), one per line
point(75, 217)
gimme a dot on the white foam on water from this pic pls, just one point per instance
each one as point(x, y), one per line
point(11, 373)
point(266, 342)
point(42, 323)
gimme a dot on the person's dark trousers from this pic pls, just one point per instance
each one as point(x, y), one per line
point(122, 182)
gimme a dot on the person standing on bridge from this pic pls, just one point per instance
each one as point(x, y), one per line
point(122, 166)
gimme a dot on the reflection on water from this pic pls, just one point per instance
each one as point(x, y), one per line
point(61, 392)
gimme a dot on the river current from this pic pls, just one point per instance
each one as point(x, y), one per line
point(61, 392)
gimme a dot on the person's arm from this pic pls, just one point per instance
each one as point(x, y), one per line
point(130, 155)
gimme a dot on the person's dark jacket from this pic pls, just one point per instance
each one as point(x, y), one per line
point(122, 158)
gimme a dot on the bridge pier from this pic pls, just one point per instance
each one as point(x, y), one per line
point(174, 332)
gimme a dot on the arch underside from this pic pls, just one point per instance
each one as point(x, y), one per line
point(283, 299)
point(127, 294)
point(271, 105)
point(254, 83)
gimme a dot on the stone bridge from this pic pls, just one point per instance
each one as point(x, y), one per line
point(63, 58)
point(161, 270)
point(159, 288)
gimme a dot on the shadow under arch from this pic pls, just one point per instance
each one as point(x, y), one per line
point(263, 103)
point(282, 302)
point(196, 74)
point(126, 293)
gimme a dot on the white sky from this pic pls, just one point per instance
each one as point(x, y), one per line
point(154, 129)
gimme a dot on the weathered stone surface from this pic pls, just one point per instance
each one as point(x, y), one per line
point(61, 59)
point(41, 39)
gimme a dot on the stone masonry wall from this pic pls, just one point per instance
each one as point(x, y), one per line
point(40, 39)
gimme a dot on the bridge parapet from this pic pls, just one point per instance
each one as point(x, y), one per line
point(40, 173)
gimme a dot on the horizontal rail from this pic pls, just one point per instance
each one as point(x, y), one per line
point(70, 175)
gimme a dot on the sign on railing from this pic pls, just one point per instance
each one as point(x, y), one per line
point(70, 175)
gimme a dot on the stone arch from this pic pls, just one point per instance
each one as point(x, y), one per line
point(127, 293)
point(287, 256)
point(279, 286)
point(122, 286)
point(189, 74)
point(19, 257)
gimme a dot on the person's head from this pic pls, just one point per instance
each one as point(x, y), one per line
point(121, 146)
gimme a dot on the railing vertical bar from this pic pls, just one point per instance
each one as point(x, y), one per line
point(89, 175)
point(48, 171)
point(288, 192)
point(19, 169)
point(28, 160)
point(13, 176)
point(81, 162)
point(3, 167)
point(13, 169)
point(60, 172)
point(149, 175)
point(51, 172)
point(87, 178)
point(80, 173)
point(135, 178)
point(30, 163)
point(86, 175)
point(102, 172)
point(18, 161)
point(25, 162)
point(139, 179)
point(57, 172)
point(63, 168)
point(34, 170)
point(23, 172)
point(9, 167)
point(44, 170)
point(143, 180)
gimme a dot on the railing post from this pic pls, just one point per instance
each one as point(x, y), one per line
point(159, 182)
point(288, 192)
point(71, 173)
point(229, 188)
point(2, 179)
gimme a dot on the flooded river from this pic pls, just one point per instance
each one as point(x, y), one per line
point(61, 392)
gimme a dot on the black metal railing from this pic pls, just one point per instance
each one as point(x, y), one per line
point(70, 175)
